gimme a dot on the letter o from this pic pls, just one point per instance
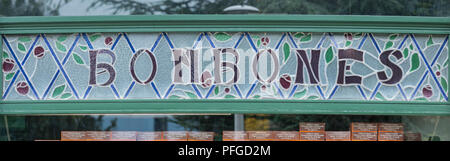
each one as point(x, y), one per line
point(276, 66)
point(133, 62)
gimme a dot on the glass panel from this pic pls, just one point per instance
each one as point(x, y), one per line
point(160, 7)
point(218, 65)
point(32, 128)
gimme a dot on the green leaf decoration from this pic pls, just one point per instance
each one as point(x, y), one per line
point(66, 96)
point(24, 39)
point(421, 99)
point(415, 62)
point(9, 76)
point(446, 63)
point(329, 55)
point(444, 84)
point(286, 51)
point(216, 90)
point(62, 38)
point(258, 43)
point(430, 41)
point(94, 37)
point(58, 90)
point(313, 97)
point(348, 43)
point(229, 96)
point(191, 95)
point(357, 35)
point(299, 34)
point(388, 45)
point(5, 54)
point(21, 47)
point(439, 67)
point(174, 97)
point(256, 96)
point(405, 52)
point(78, 59)
point(84, 48)
point(255, 37)
point(300, 94)
point(222, 36)
point(306, 38)
point(60, 47)
point(393, 36)
point(411, 47)
point(379, 96)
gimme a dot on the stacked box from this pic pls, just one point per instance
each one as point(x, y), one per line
point(98, 135)
point(174, 136)
point(73, 136)
point(123, 136)
point(260, 135)
point(234, 136)
point(286, 136)
point(200, 136)
point(149, 136)
point(311, 131)
point(364, 131)
point(412, 136)
point(390, 132)
point(337, 136)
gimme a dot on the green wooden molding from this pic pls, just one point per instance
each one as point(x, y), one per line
point(223, 106)
point(250, 23)
point(230, 23)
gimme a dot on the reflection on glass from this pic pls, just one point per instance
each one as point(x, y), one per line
point(161, 7)
point(30, 128)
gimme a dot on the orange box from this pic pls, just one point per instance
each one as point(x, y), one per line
point(390, 127)
point(312, 136)
point(260, 135)
point(286, 135)
point(234, 136)
point(312, 127)
point(412, 136)
point(149, 136)
point(98, 135)
point(73, 136)
point(390, 136)
point(174, 136)
point(338, 136)
point(364, 136)
point(123, 136)
point(200, 136)
point(364, 127)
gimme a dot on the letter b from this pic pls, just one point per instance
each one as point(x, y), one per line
point(108, 67)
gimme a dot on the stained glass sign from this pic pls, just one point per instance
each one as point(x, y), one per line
point(219, 65)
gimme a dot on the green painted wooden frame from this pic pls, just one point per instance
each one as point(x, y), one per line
point(247, 23)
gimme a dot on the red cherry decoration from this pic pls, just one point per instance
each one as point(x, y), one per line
point(285, 81)
point(22, 88)
point(39, 52)
point(427, 91)
point(265, 41)
point(7, 65)
point(108, 41)
point(206, 79)
point(263, 87)
point(348, 36)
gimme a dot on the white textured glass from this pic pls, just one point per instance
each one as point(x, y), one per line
point(59, 66)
